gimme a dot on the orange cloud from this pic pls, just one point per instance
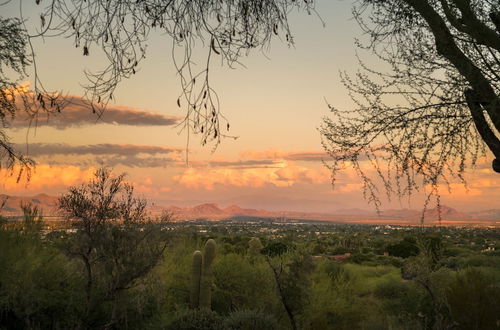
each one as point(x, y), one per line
point(266, 154)
point(46, 176)
point(476, 186)
point(22, 88)
point(282, 175)
point(298, 174)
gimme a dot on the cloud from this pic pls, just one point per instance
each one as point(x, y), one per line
point(308, 156)
point(48, 149)
point(77, 112)
point(281, 175)
point(243, 164)
point(298, 174)
point(104, 153)
point(139, 162)
point(277, 154)
point(45, 177)
point(272, 167)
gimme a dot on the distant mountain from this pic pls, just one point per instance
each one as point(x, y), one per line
point(493, 214)
point(206, 209)
point(212, 211)
point(444, 212)
point(12, 206)
point(447, 213)
point(236, 210)
point(404, 216)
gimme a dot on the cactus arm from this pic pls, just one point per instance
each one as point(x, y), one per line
point(206, 275)
point(195, 279)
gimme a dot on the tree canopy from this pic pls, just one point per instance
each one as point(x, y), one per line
point(433, 107)
point(228, 29)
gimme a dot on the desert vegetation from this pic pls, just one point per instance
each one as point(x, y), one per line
point(415, 127)
point(111, 266)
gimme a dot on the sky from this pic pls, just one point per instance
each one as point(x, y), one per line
point(275, 104)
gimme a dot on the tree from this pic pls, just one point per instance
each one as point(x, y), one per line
point(474, 298)
point(228, 29)
point(404, 249)
point(291, 270)
point(13, 58)
point(427, 272)
point(114, 240)
point(434, 106)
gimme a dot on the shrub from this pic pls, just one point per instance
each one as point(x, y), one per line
point(197, 319)
point(250, 320)
point(404, 249)
point(474, 299)
point(336, 272)
point(390, 290)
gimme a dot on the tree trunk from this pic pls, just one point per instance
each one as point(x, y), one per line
point(282, 298)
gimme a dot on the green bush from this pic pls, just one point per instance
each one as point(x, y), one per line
point(250, 320)
point(404, 249)
point(196, 319)
point(241, 285)
point(474, 299)
point(390, 290)
point(336, 272)
point(39, 287)
point(359, 258)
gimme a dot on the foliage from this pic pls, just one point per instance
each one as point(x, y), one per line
point(336, 272)
point(404, 249)
point(196, 319)
point(250, 320)
point(39, 288)
point(275, 249)
point(228, 30)
point(474, 299)
point(32, 222)
point(291, 272)
point(114, 242)
point(255, 246)
point(402, 301)
point(13, 59)
point(427, 112)
point(236, 281)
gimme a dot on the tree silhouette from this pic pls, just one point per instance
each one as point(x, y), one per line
point(13, 58)
point(432, 108)
point(228, 29)
point(115, 240)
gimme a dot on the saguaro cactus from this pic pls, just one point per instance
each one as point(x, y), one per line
point(202, 277)
point(206, 275)
point(195, 279)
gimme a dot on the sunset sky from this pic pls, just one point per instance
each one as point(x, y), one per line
point(274, 104)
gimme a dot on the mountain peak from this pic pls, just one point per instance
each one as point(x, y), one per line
point(207, 209)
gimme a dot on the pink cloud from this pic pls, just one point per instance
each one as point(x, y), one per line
point(283, 175)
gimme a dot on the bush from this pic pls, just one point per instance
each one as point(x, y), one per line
point(202, 319)
point(474, 299)
point(404, 249)
point(236, 280)
point(250, 320)
point(390, 290)
point(38, 285)
point(336, 272)
point(359, 258)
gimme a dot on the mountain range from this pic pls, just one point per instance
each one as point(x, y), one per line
point(212, 211)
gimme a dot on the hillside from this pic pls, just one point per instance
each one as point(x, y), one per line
point(214, 212)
